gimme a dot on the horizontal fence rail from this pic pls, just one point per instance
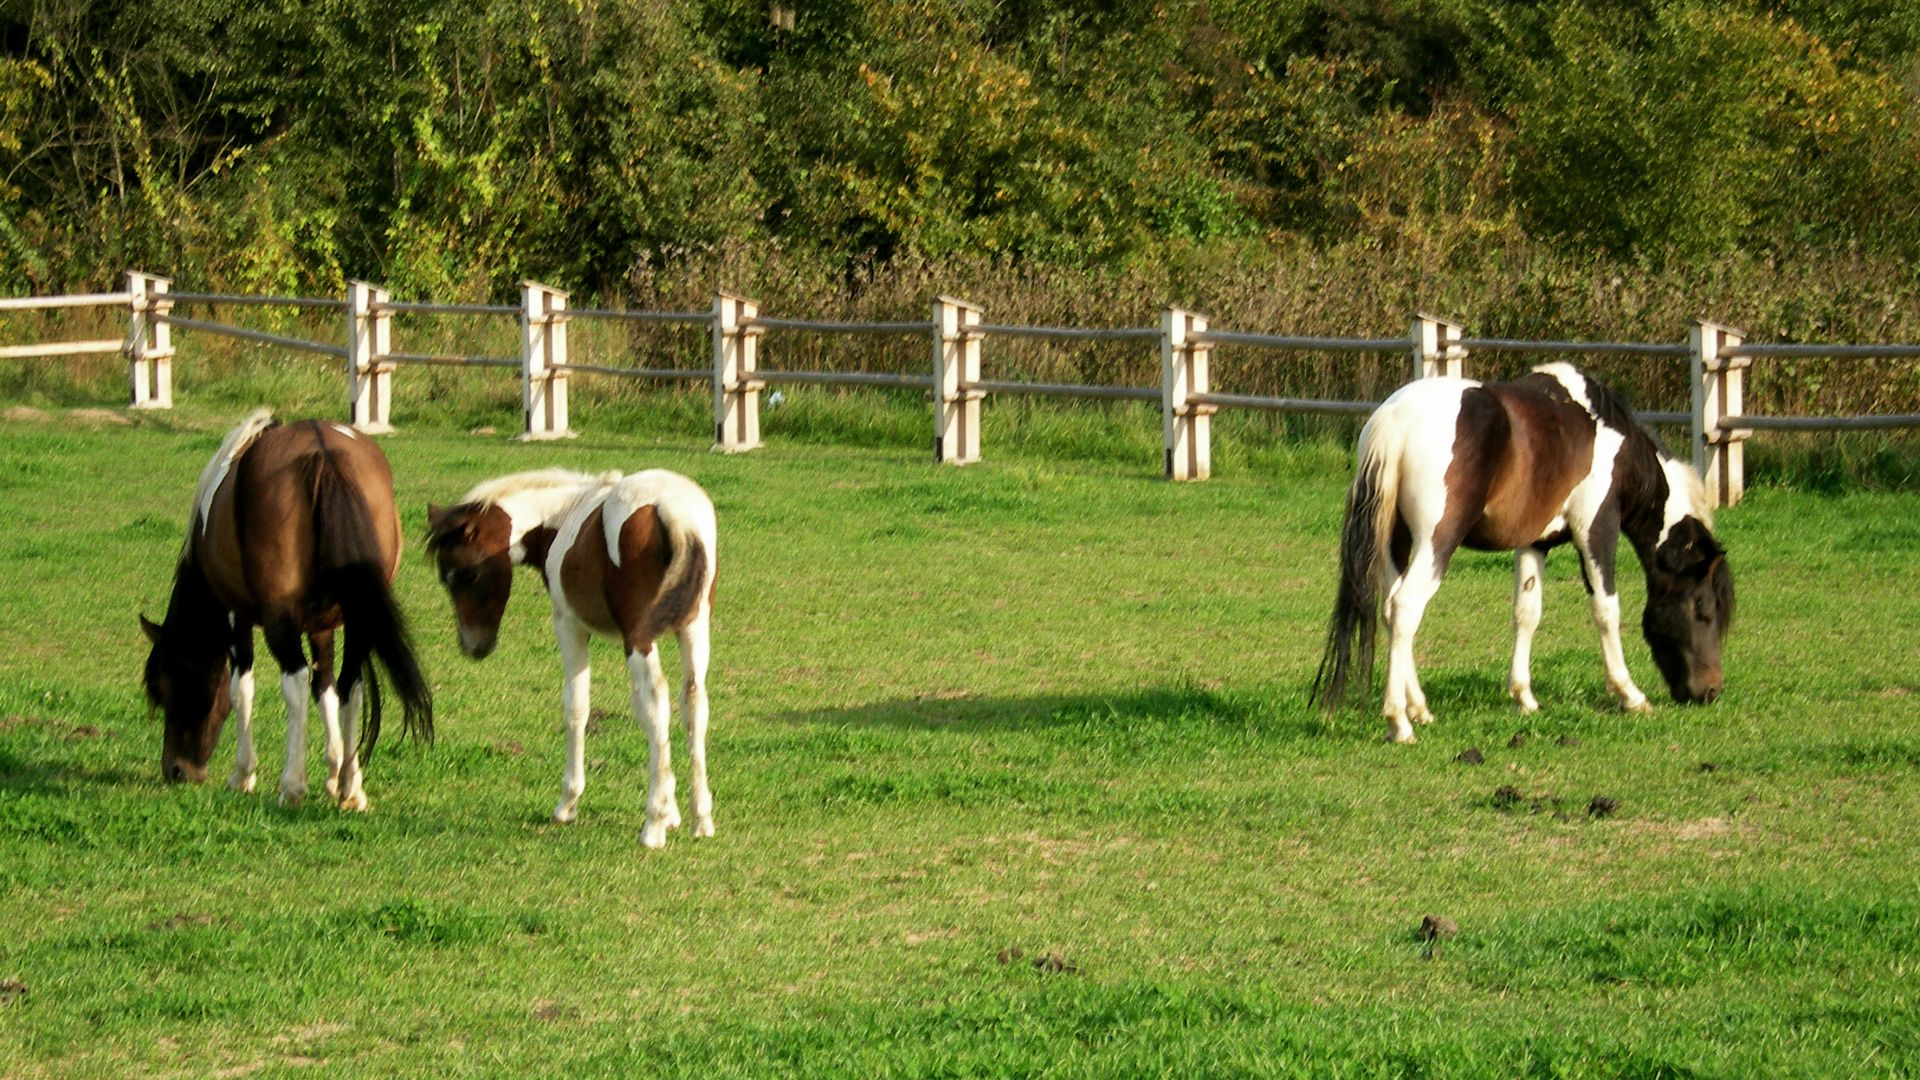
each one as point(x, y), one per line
point(1823, 423)
point(1309, 344)
point(80, 300)
point(840, 327)
point(444, 309)
point(1109, 393)
point(1717, 356)
point(1596, 348)
point(1826, 352)
point(1067, 333)
point(690, 318)
point(636, 373)
point(63, 348)
point(259, 336)
point(257, 301)
point(1287, 405)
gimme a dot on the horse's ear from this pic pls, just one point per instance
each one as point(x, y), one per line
point(1691, 551)
point(151, 629)
point(436, 522)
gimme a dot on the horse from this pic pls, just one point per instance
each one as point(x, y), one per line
point(1523, 466)
point(293, 529)
point(627, 558)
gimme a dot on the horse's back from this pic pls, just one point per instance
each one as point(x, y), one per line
point(268, 529)
point(1487, 465)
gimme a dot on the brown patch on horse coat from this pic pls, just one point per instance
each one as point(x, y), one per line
point(261, 581)
point(613, 600)
point(1539, 443)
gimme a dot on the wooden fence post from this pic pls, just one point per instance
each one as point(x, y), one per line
point(1437, 350)
point(543, 354)
point(736, 393)
point(150, 341)
point(1186, 425)
point(369, 376)
point(1717, 393)
point(956, 366)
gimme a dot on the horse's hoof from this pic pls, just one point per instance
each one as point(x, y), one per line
point(292, 796)
point(241, 782)
point(673, 817)
point(1525, 699)
point(356, 803)
point(703, 828)
point(564, 814)
point(654, 835)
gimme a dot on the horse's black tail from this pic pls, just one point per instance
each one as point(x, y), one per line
point(352, 571)
point(1372, 508)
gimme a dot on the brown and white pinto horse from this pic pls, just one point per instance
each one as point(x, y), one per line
point(1523, 466)
point(626, 558)
point(293, 529)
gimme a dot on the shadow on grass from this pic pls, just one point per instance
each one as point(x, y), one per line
point(20, 775)
point(1172, 710)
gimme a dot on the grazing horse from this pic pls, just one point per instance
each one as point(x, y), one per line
point(293, 529)
point(1523, 466)
point(626, 558)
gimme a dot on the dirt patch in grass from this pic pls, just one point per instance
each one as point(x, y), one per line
point(102, 418)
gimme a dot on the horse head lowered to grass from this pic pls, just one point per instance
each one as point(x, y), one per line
point(628, 558)
point(292, 529)
point(1523, 466)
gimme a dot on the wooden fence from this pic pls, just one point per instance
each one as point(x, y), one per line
point(1718, 357)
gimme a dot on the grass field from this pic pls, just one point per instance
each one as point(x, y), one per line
point(1014, 774)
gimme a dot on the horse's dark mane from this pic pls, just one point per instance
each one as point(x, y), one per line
point(194, 629)
point(1615, 409)
point(194, 613)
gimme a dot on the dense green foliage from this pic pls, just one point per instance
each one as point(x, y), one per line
point(443, 145)
point(967, 721)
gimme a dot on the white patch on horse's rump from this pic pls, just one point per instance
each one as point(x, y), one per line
point(678, 503)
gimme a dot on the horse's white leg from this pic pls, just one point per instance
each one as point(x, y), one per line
point(295, 686)
point(650, 709)
point(245, 758)
point(1606, 616)
point(694, 648)
point(335, 747)
point(1405, 703)
point(575, 701)
point(1529, 580)
point(352, 795)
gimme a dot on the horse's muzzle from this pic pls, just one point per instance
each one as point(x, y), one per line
point(477, 646)
point(176, 772)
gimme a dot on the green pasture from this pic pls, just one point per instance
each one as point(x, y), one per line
point(1014, 774)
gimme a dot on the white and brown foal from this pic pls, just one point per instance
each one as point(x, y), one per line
point(627, 558)
point(1523, 466)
